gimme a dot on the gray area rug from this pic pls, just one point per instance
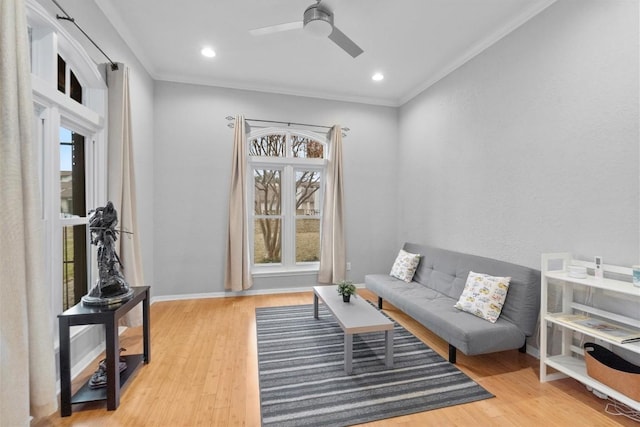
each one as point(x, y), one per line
point(303, 383)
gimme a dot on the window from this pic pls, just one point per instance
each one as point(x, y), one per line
point(287, 170)
point(69, 103)
point(73, 207)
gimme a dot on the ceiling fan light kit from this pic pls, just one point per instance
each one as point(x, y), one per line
point(318, 22)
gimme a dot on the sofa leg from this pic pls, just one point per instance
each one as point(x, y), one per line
point(452, 354)
point(380, 303)
point(523, 349)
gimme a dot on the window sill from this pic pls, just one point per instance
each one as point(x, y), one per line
point(283, 271)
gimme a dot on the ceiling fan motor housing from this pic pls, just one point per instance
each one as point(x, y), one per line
point(318, 21)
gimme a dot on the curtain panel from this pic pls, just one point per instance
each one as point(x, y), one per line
point(27, 357)
point(238, 270)
point(333, 262)
point(121, 181)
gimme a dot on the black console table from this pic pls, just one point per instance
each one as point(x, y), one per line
point(108, 316)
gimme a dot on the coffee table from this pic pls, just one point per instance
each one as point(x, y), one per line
point(354, 317)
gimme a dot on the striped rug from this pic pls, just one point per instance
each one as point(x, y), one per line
point(303, 383)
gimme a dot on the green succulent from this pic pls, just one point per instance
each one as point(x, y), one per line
point(346, 287)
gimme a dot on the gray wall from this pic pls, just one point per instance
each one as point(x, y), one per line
point(532, 146)
point(192, 167)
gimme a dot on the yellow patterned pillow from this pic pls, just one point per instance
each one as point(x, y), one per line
point(405, 266)
point(484, 295)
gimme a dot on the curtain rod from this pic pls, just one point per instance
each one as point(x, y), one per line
point(283, 123)
point(114, 66)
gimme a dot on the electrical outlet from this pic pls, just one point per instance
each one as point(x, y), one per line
point(348, 266)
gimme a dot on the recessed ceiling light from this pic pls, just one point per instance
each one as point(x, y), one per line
point(377, 77)
point(208, 52)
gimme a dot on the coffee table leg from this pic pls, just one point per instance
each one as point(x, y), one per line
point(348, 352)
point(315, 305)
point(389, 348)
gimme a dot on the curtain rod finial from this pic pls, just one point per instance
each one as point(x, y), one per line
point(229, 117)
point(114, 66)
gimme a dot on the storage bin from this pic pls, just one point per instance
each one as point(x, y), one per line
point(612, 370)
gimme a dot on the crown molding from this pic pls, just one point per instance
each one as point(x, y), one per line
point(114, 18)
point(477, 48)
point(107, 8)
point(228, 84)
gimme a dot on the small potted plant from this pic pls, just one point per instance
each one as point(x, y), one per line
point(346, 288)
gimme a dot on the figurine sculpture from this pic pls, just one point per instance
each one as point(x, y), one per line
point(111, 286)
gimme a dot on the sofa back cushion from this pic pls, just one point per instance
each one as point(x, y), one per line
point(447, 271)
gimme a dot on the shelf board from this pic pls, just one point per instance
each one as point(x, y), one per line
point(625, 320)
point(577, 369)
point(88, 394)
point(626, 288)
point(552, 317)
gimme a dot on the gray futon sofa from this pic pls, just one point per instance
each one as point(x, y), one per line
point(436, 286)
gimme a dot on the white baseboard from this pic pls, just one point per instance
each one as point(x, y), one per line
point(83, 346)
point(89, 334)
point(83, 343)
point(88, 358)
point(235, 294)
point(535, 352)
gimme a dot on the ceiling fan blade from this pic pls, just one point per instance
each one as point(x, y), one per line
point(276, 28)
point(339, 38)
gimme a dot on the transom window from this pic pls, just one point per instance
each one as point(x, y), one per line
point(68, 83)
point(287, 172)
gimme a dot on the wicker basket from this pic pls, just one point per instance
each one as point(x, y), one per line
point(612, 370)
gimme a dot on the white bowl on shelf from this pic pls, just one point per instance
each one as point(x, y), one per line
point(577, 271)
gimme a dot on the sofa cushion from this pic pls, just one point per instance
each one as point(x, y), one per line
point(405, 266)
point(484, 295)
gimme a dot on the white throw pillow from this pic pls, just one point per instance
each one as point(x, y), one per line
point(484, 295)
point(405, 266)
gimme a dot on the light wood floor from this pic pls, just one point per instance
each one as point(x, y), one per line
point(203, 372)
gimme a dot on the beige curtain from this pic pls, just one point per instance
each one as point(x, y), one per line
point(121, 182)
point(27, 358)
point(332, 246)
point(238, 271)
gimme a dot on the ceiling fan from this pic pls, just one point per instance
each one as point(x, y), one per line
point(317, 20)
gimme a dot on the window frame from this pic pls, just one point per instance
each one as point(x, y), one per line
point(288, 165)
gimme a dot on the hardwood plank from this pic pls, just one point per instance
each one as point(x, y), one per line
point(204, 373)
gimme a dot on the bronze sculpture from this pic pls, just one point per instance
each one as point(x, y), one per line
point(111, 286)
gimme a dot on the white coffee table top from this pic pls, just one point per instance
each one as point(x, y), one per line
point(354, 317)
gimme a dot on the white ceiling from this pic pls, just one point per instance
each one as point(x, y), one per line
point(413, 43)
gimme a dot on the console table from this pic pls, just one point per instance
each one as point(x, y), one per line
point(108, 316)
